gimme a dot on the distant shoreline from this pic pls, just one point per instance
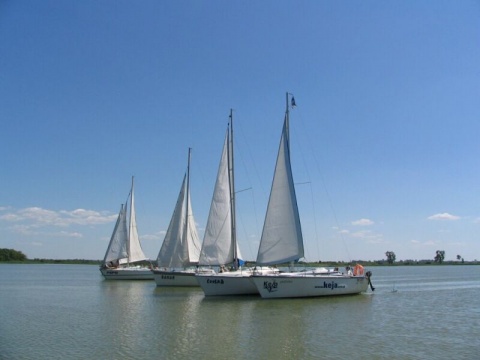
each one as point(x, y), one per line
point(251, 264)
point(53, 261)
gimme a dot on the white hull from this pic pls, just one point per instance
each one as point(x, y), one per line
point(231, 283)
point(228, 283)
point(132, 273)
point(176, 278)
point(291, 285)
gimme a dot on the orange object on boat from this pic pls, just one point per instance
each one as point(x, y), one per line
point(358, 270)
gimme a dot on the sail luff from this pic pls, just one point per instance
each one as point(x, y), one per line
point(117, 247)
point(191, 239)
point(219, 243)
point(231, 182)
point(181, 236)
point(187, 210)
point(168, 254)
point(134, 248)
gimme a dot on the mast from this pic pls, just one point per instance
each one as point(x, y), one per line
point(287, 135)
point(231, 179)
point(287, 124)
point(187, 198)
point(130, 224)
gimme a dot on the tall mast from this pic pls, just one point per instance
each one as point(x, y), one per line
point(287, 123)
point(130, 224)
point(187, 198)
point(287, 134)
point(231, 180)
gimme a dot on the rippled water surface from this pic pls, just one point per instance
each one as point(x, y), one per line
point(70, 312)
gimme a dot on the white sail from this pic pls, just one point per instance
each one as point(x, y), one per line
point(217, 248)
point(124, 248)
point(117, 248)
point(181, 245)
point(191, 236)
point(220, 246)
point(282, 242)
point(219, 243)
point(282, 239)
point(135, 252)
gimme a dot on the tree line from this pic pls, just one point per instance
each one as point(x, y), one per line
point(12, 255)
point(439, 257)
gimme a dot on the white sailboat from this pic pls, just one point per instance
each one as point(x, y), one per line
point(282, 241)
point(178, 256)
point(220, 247)
point(124, 250)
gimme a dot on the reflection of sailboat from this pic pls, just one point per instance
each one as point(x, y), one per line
point(282, 241)
point(124, 249)
point(220, 245)
point(180, 250)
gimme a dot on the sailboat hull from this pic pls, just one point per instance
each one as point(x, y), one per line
point(229, 283)
point(128, 273)
point(232, 282)
point(294, 285)
point(181, 278)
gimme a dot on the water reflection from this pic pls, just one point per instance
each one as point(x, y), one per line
point(72, 313)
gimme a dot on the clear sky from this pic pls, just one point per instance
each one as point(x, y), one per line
point(385, 138)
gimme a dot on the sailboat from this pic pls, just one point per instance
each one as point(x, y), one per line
point(220, 247)
point(282, 241)
point(124, 250)
point(179, 254)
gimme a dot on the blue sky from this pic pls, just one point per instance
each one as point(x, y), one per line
point(384, 138)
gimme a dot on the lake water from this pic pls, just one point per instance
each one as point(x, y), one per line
point(70, 312)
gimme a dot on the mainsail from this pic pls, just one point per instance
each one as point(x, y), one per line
point(117, 248)
point(219, 243)
point(181, 245)
point(124, 246)
point(282, 239)
point(135, 252)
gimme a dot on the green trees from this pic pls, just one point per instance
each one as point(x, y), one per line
point(390, 257)
point(12, 255)
point(440, 256)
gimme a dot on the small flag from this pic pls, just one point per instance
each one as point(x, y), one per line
point(293, 102)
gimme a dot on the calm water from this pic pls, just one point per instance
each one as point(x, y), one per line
point(70, 312)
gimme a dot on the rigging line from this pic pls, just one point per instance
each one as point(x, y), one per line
point(314, 217)
point(239, 191)
point(245, 234)
point(244, 227)
point(251, 157)
point(315, 223)
point(254, 253)
point(322, 178)
point(243, 138)
point(302, 153)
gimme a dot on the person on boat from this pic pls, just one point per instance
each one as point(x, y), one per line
point(349, 270)
point(113, 264)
